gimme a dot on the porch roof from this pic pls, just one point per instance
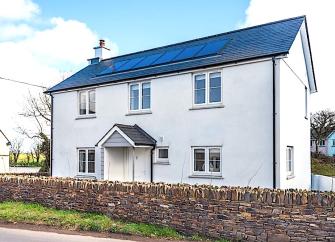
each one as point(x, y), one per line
point(135, 135)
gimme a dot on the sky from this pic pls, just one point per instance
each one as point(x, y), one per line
point(43, 42)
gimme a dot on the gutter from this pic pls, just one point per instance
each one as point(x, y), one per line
point(274, 120)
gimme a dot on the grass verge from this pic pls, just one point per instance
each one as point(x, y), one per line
point(323, 168)
point(31, 213)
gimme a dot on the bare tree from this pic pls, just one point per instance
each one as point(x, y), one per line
point(322, 124)
point(16, 149)
point(38, 109)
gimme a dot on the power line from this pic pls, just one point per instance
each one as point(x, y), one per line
point(21, 82)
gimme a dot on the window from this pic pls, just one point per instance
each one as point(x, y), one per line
point(306, 108)
point(215, 87)
point(289, 161)
point(207, 88)
point(162, 154)
point(333, 142)
point(140, 96)
point(322, 142)
point(200, 89)
point(86, 164)
point(87, 102)
point(206, 160)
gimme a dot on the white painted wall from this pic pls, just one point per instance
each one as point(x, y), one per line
point(323, 183)
point(294, 128)
point(243, 127)
point(24, 169)
point(4, 154)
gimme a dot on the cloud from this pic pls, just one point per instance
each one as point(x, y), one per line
point(319, 19)
point(18, 9)
point(41, 56)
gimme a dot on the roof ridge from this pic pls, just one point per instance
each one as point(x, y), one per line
point(206, 37)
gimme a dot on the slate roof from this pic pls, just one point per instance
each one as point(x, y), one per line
point(271, 39)
point(135, 133)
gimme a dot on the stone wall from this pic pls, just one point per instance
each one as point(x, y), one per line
point(229, 212)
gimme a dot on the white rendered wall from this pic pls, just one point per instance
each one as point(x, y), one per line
point(243, 128)
point(4, 155)
point(294, 128)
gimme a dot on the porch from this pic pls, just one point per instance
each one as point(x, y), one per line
point(127, 154)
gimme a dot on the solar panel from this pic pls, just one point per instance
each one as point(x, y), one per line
point(130, 64)
point(115, 65)
point(189, 52)
point(148, 60)
point(212, 48)
point(167, 56)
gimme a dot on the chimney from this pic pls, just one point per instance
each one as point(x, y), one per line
point(101, 52)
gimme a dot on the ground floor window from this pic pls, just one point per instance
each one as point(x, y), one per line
point(290, 160)
point(162, 155)
point(322, 142)
point(206, 160)
point(86, 161)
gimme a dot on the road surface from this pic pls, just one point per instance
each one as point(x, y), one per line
point(20, 235)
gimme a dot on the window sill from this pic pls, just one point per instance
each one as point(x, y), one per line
point(139, 112)
point(289, 177)
point(207, 106)
point(206, 176)
point(161, 163)
point(86, 176)
point(85, 117)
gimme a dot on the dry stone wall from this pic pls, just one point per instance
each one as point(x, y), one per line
point(251, 214)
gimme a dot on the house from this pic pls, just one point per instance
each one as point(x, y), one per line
point(326, 146)
point(228, 109)
point(4, 153)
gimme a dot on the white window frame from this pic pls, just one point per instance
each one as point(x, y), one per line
point(290, 173)
point(140, 86)
point(87, 92)
point(86, 173)
point(207, 88)
point(162, 160)
point(206, 172)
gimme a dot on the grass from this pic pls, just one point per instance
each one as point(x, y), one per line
point(323, 168)
point(32, 213)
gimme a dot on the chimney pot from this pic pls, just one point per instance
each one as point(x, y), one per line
point(102, 43)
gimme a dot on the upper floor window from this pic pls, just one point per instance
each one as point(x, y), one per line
point(206, 160)
point(86, 161)
point(140, 96)
point(87, 102)
point(333, 142)
point(207, 88)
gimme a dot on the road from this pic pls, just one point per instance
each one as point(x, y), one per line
point(20, 235)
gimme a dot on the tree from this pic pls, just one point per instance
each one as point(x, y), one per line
point(38, 109)
point(16, 149)
point(322, 124)
point(37, 151)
